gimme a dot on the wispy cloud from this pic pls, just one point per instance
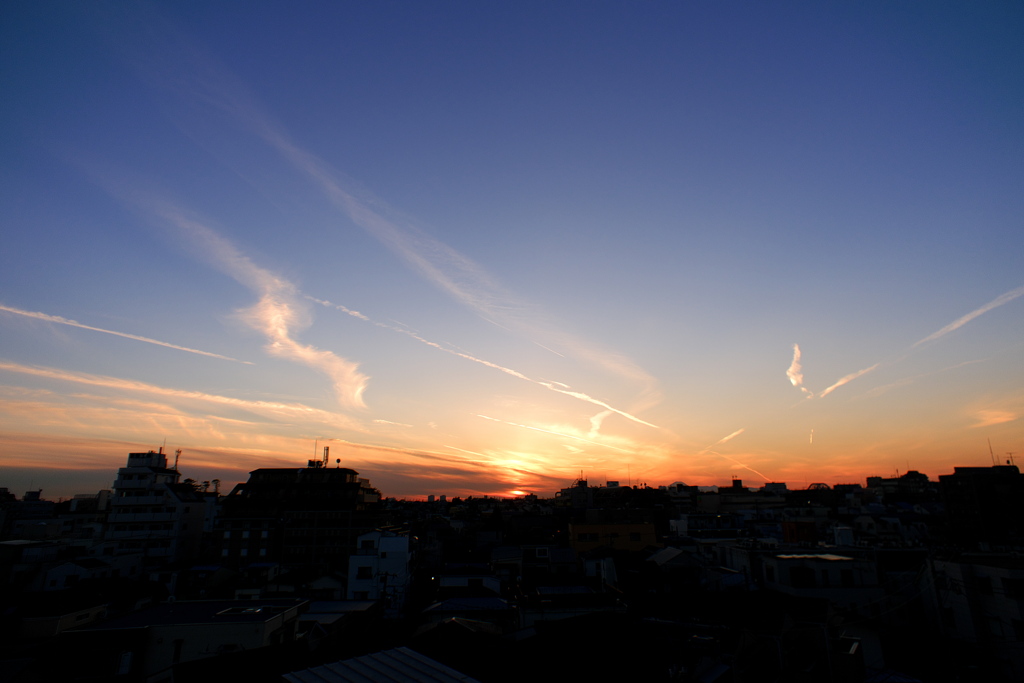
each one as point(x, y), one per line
point(596, 421)
point(795, 372)
point(796, 377)
point(73, 323)
point(279, 313)
point(201, 80)
point(987, 418)
point(277, 409)
point(960, 322)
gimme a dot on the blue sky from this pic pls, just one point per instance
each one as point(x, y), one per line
point(481, 248)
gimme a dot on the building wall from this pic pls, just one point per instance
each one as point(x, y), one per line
point(381, 568)
point(633, 537)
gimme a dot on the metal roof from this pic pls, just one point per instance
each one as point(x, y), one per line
point(400, 665)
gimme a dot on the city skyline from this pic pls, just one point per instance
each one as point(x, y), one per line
point(482, 249)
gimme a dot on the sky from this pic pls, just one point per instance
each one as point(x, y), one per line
point(488, 248)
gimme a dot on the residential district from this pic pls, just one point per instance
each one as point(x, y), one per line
point(311, 574)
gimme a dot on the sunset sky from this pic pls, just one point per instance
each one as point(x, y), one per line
point(482, 248)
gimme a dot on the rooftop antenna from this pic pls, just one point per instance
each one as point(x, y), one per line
point(177, 454)
point(1010, 459)
point(994, 463)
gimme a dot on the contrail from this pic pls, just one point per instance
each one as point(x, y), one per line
point(723, 440)
point(389, 422)
point(557, 387)
point(848, 378)
point(74, 323)
point(732, 460)
point(795, 370)
point(548, 431)
point(746, 467)
point(960, 322)
point(485, 461)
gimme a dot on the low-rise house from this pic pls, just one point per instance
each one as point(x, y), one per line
point(380, 568)
point(978, 598)
point(845, 581)
point(147, 645)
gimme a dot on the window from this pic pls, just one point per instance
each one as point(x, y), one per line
point(769, 573)
point(801, 577)
point(846, 578)
point(364, 573)
point(383, 555)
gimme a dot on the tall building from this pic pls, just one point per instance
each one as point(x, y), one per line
point(152, 514)
point(301, 517)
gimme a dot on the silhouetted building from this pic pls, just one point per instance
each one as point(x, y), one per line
point(985, 503)
point(152, 514)
point(300, 517)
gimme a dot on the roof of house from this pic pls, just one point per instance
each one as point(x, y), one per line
point(203, 612)
point(400, 665)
